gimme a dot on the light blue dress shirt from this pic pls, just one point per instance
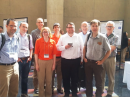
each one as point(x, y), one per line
point(83, 36)
point(9, 52)
point(24, 45)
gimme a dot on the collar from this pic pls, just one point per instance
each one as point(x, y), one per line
point(19, 35)
point(74, 34)
point(10, 38)
point(38, 30)
point(54, 35)
point(98, 35)
point(42, 40)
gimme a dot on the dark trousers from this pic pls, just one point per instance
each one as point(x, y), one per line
point(24, 69)
point(91, 68)
point(69, 68)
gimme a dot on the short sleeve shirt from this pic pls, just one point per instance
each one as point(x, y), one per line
point(58, 53)
point(97, 47)
point(113, 40)
point(42, 48)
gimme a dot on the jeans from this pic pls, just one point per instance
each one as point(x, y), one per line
point(24, 69)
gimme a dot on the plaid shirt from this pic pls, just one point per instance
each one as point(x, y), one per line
point(113, 40)
point(35, 35)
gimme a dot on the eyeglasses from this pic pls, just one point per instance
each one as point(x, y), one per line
point(70, 27)
point(109, 26)
point(12, 26)
point(45, 32)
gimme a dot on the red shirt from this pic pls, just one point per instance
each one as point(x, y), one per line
point(58, 53)
point(42, 48)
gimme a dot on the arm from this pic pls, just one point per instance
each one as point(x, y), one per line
point(30, 57)
point(81, 48)
point(36, 62)
point(31, 49)
point(60, 46)
point(105, 57)
point(54, 61)
point(84, 53)
point(112, 48)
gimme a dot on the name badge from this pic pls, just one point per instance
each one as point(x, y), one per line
point(26, 54)
point(46, 55)
point(22, 51)
point(13, 55)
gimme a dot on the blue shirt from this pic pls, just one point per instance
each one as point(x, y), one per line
point(9, 52)
point(24, 45)
point(83, 36)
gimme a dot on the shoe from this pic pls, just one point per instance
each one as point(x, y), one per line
point(60, 91)
point(108, 95)
point(24, 95)
point(36, 91)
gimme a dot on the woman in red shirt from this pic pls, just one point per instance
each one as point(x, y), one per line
point(45, 56)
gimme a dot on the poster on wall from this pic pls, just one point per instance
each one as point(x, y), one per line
point(19, 20)
point(117, 30)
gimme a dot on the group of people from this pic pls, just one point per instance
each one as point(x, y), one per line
point(61, 54)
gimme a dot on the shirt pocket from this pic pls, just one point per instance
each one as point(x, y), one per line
point(98, 48)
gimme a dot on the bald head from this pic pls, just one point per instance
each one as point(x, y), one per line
point(39, 23)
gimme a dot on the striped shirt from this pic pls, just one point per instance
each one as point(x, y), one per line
point(35, 35)
point(113, 40)
point(9, 52)
point(24, 45)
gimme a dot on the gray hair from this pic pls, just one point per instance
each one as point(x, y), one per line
point(84, 22)
point(110, 22)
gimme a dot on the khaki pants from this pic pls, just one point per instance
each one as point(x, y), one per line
point(123, 53)
point(109, 68)
point(45, 77)
point(9, 79)
point(59, 74)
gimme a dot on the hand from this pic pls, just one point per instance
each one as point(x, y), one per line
point(19, 60)
point(99, 62)
point(53, 67)
point(67, 46)
point(29, 59)
point(85, 60)
point(37, 67)
point(81, 63)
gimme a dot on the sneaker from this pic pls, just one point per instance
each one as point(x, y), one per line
point(60, 91)
point(24, 95)
point(36, 91)
point(108, 95)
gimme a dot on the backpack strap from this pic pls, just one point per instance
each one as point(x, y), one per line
point(28, 35)
point(88, 36)
point(3, 41)
point(88, 39)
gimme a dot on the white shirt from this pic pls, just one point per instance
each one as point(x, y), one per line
point(83, 36)
point(24, 45)
point(73, 52)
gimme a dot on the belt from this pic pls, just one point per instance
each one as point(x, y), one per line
point(7, 63)
point(91, 60)
point(24, 58)
point(58, 57)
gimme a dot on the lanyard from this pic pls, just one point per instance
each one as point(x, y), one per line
point(45, 47)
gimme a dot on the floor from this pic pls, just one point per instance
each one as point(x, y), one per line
point(120, 89)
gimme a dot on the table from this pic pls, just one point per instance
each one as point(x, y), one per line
point(126, 77)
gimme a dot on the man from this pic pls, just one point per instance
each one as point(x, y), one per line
point(71, 46)
point(56, 36)
point(110, 62)
point(1, 29)
point(96, 51)
point(24, 58)
point(9, 73)
point(35, 35)
point(84, 27)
